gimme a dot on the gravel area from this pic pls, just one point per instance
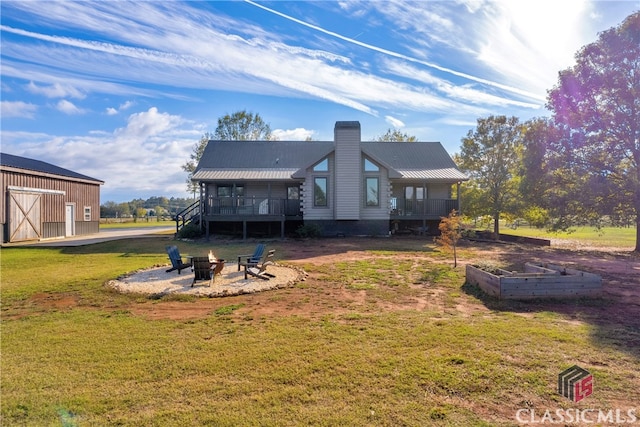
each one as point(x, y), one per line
point(157, 282)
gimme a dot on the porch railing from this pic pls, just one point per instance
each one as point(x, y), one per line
point(428, 207)
point(250, 206)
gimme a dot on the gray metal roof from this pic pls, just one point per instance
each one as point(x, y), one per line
point(11, 161)
point(262, 154)
point(415, 160)
point(279, 160)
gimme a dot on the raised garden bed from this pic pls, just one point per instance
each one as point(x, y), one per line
point(537, 281)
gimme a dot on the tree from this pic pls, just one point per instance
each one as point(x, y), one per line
point(450, 233)
point(490, 156)
point(239, 126)
point(598, 102)
point(243, 126)
point(395, 136)
point(194, 158)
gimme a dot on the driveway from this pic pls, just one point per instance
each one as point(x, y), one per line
point(103, 236)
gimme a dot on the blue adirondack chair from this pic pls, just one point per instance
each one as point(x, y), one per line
point(176, 259)
point(259, 270)
point(253, 258)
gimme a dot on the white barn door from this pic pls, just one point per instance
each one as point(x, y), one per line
point(24, 216)
point(70, 220)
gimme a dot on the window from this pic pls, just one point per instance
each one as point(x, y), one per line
point(87, 213)
point(229, 191)
point(293, 193)
point(369, 166)
point(372, 191)
point(320, 191)
point(323, 166)
point(224, 191)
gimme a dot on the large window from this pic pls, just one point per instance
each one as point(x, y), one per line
point(369, 166)
point(320, 191)
point(322, 166)
point(372, 191)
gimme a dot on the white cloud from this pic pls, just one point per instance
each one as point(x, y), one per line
point(297, 134)
point(18, 109)
point(56, 90)
point(142, 158)
point(68, 107)
point(396, 123)
point(111, 111)
point(147, 124)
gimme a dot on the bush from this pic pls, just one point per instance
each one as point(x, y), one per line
point(309, 230)
point(189, 231)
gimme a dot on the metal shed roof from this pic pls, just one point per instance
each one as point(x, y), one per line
point(17, 162)
point(244, 174)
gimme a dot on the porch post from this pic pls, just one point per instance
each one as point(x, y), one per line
point(203, 198)
point(458, 197)
point(282, 228)
point(244, 230)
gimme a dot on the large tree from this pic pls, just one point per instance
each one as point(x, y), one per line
point(395, 135)
point(243, 126)
point(490, 155)
point(598, 101)
point(239, 126)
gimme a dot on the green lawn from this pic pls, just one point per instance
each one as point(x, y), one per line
point(139, 223)
point(605, 237)
point(99, 363)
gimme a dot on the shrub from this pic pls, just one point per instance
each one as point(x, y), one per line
point(309, 230)
point(189, 231)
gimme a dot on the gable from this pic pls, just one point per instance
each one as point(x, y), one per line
point(415, 160)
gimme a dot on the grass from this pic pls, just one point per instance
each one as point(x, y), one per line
point(137, 224)
point(98, 363)
point(589, 236)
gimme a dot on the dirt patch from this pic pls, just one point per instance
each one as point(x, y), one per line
point(316, 297)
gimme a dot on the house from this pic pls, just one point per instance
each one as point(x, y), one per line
point(44, 201)
point(344, 187)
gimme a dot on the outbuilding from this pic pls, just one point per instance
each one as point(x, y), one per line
point(44, 201)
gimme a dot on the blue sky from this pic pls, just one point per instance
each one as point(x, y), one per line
point(122, 91)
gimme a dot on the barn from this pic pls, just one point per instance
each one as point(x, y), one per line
point(44, 201)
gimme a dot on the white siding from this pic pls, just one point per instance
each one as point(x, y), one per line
point(318, 212)
point(381, 211)
point(439, 191)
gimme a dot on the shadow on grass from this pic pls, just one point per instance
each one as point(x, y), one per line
point(616, 322)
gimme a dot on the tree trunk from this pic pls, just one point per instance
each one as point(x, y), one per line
point(637, 249)
point(455, 256)
point(496, 226)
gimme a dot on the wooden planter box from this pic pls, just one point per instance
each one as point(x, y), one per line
point(537, 281)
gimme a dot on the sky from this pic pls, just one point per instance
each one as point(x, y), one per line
point(122, 91)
